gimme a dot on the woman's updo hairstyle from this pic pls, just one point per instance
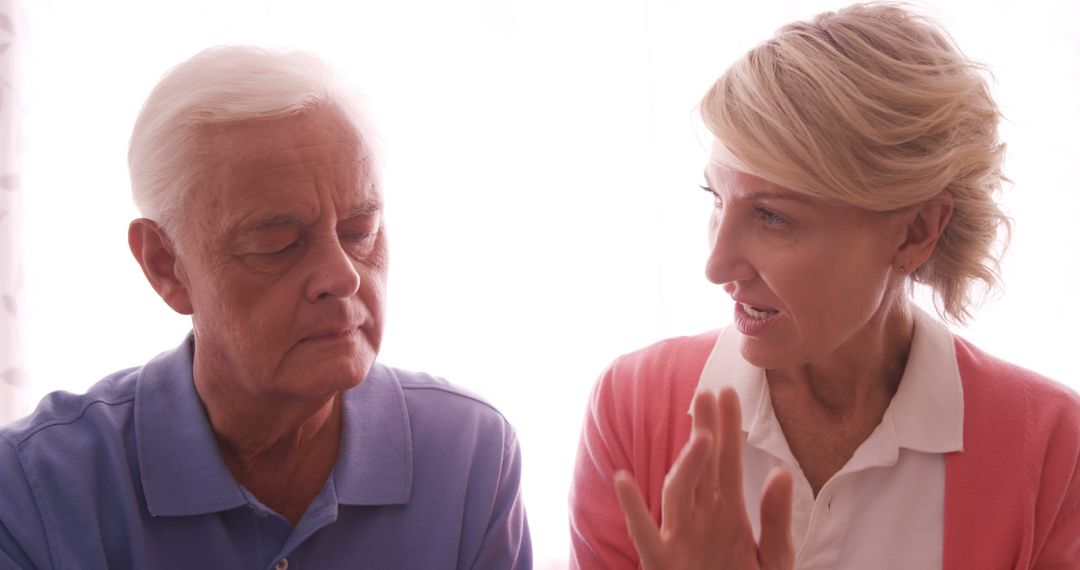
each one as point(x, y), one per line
point(875, 106)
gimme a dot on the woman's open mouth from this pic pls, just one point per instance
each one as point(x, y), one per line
point(757, 312)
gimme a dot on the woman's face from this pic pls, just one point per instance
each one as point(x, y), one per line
point(810, 277)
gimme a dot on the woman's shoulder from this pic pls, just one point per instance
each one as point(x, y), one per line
point(1017, 418)
point(986, 374)
point(1011, 403)
point(671, 355)
point(658, 378)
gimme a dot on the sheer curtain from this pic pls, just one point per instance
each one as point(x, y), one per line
point(541, 163)
point(11, 371)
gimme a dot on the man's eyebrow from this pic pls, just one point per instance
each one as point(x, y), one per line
point(364, 209)
point(359, 210)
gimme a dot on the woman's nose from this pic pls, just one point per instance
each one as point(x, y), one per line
point(727, 260)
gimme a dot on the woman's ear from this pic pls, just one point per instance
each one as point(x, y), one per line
point(925, 224)
point(157, 257)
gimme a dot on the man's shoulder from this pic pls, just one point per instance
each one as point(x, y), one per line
point(60, 413)
point(422, 385)
point(423, 389)
point(446, 420)
point(56, 462)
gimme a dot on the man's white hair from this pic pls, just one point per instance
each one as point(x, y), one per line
point(221, 85)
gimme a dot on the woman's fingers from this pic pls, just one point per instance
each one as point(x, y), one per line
point(776, 551)
point(694, 525)
point(642, 529)
point(681, 485)
point(707, 419)
point(730, 449)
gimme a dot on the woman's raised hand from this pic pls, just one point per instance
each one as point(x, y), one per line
point(703, 514)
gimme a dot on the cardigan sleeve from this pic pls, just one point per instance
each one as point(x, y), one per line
point(637, 420)
point(1013, 494)
point(1057, 508)
point(599, 537)
point(1062, 548)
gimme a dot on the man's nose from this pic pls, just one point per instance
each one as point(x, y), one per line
point(334, 271)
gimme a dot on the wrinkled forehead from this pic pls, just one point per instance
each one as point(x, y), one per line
point(290, 163)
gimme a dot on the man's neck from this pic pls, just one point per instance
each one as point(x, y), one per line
point(281, 450)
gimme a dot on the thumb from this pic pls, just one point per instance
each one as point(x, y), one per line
point(776, 550)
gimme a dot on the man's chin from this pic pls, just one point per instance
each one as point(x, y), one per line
point(343, 376)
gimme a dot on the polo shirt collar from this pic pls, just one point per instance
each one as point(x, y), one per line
point(375, 464)
point(928, 407)
point(180, 466)
point(181, 469)
point(927, 411)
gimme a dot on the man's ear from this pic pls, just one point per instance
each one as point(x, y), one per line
point(157, 257)
point(925, 224)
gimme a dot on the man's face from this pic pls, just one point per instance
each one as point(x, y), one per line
point(285, 256)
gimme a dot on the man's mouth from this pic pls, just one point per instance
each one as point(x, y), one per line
point(332, 334)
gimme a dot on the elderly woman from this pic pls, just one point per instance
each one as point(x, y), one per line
point(834, 424)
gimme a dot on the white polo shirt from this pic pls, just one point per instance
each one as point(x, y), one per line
point(885, 508)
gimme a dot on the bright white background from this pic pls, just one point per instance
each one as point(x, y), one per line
point(541, 167)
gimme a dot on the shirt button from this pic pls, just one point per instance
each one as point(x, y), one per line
point(282, 564)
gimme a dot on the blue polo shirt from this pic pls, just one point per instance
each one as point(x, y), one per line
point(129, 476)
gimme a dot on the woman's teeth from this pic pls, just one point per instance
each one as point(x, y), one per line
point(755, 313)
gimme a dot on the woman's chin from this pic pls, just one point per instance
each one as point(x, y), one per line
point(767, 355)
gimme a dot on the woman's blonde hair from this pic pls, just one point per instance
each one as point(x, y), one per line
point(874, 105)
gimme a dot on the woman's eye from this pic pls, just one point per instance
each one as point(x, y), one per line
point(772, 219)
point(717, 201)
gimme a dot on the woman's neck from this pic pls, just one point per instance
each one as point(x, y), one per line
point(867, 367)
point(827, 409)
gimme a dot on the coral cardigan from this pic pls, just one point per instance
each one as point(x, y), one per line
point(1012, 496)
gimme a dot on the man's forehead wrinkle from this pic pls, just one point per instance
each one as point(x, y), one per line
point(266, 164)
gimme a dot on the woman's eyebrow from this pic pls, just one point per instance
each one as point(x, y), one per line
point(792, 196)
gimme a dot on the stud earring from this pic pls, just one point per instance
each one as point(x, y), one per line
point(903, 269)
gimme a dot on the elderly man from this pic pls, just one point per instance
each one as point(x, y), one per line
point(270, 438)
